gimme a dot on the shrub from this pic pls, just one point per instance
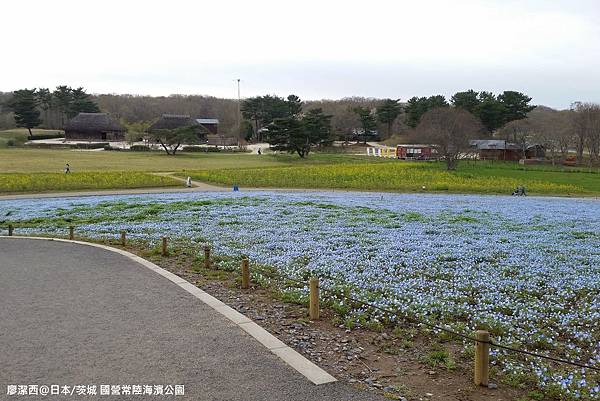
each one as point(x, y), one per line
point(48, 136)
point(48, 145)
point(87, 145)
point(193, 149)
point(139, 148)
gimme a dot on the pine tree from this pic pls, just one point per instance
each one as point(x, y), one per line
point(388, 112)
point(367, 121)
point(81, 102)
point(24, 104)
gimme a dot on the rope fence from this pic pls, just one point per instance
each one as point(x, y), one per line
point(481, 339)
point(414, 320)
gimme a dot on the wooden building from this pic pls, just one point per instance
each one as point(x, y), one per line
point(415, 152)
point(535, 151)
point(222, 140)
point(500, 149)
point(497, 149)
point(94, 127)
point(174, 121)
point(210, 124)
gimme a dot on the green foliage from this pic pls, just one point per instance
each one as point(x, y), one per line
point(80, 102)
point(139, 148)
point(135, 130)
point(24, 105)
point(494, 111)
point(246, 130)
point(516, 105)
point(490, 111)
point(64, 102)
point(536, 395)
point(467, 100)
point(61, 100)
point(292, 134)
point(172, 139)
point(294, 105)
point(367, 122)
point(417, 106)
point(440, 357)
point(264, 110)
point(44, 97)
point(387, 113)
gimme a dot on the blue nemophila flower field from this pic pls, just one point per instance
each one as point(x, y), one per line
point(526, 269)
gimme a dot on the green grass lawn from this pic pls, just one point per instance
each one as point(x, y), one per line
point(53, 160)
point(479, 177)
point(18, 136)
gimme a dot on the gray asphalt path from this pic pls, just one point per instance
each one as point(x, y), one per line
point(77, 315)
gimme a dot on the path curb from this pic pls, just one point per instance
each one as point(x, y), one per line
point(305, 367)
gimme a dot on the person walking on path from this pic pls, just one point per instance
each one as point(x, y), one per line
point(188, 182)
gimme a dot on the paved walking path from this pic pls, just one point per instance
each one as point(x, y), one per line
point(77, 315)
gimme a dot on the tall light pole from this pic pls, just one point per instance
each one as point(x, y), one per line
point(239, 116)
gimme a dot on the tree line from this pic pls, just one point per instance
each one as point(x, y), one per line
point(507, 115)
point(494, 111)
point(352, 118)
point(32, 107)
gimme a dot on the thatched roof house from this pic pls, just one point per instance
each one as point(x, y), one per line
point(94, 127)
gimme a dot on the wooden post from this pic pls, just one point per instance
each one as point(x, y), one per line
point(71, 232)
point(123, 237)
point(164, 247)
point(207, 256)
point(245, 274)
point(482, 358)
point(10, 230)
point(314, 299)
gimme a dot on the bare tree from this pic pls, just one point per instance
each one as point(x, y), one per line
point(565, 134)
point(519, 131)
point(451, 130)
point(553, 130)
point(586, 124)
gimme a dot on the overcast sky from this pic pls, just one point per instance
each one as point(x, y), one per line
point(315, 49)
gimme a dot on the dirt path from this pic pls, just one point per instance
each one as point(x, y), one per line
point(195, 184)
